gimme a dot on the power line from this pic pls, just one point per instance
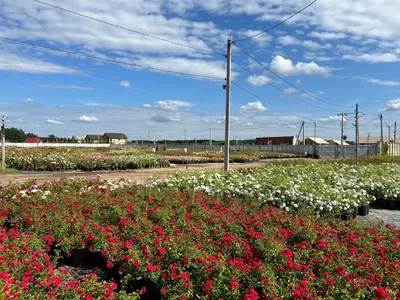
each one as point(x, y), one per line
point(265, 101)
point(369, 121)
point(281, 90)
point(106, 59)
point(128, 29)
point(276, 25)
point(367, 110)
point(287, 82)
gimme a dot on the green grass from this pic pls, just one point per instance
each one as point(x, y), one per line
point(8, 171)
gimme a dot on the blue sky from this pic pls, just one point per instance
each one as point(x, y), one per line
point(340, 52)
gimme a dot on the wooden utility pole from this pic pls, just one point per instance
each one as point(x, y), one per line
point(342, 127)
point(3, 143)
point(210, 136)
point(389, 140)
point(298, 136)
point(227, 87)
point(185, 135)
point(394, 139)
point(357, 133)
point(381, 117)
point(304, 141)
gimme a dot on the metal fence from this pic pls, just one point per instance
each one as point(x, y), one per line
point(322, 151)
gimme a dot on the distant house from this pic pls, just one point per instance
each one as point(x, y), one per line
point(93, 138)
point(78, 139)
point(33, 140)
point(316, 141)
point(276, 140)
point(369, 140)
point(115, 138)
point(338, 142)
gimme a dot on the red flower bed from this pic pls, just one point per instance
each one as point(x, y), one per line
point(186, 246)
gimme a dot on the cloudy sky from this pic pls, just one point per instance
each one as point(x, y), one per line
point(328, 58)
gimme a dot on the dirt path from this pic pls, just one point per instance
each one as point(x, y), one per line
point(135, 175)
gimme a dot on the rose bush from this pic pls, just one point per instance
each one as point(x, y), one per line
point(186, 245)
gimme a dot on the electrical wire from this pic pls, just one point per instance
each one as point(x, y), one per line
point(128, 29)
point(281, 90)
point(287, 82)
point(368, 112)
point(278, 24)
point(107, 60)
point(369, 121)
point(271, 104)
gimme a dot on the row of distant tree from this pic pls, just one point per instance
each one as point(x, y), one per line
point(15, 135)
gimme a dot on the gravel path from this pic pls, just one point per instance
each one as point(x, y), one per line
point(391, 217)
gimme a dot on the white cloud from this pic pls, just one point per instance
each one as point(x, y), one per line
point(62, 106)
point(285, 67)
point(258, 80)
point(373, 57)
point(290, 40)
point(72, 87)
point(288, 91)
point(147, 105)
point(261, 40)
point(165, 119)
point(125, 84)
point(173, 105)
point(331, 119)
point(180, 64)
point(18, 63)
point(85, 118)
point(253, 107)
point(324, 35)
point(379, 81)
point(97, 104)
point(27, 100)
point(54, 122)
point(392, 105)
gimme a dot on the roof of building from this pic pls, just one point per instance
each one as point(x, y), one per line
point(373, 139)
point(276, 137)
point(33, 140)
point(115, 136)
point(78, 137)
point(338, 142)
point(318, 141)
point(93, 137)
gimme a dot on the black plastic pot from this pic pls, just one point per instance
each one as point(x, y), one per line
point(363, 210)
point(392, 204)
point(78, 257)
point(385, 203)
point(376, 203)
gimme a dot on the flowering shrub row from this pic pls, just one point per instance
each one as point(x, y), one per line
point(85, 162)
point(190, 245)
point(323, 188)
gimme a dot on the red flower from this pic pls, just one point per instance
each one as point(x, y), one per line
point(162, 251)
point(381, 293)
point(322, 244)
point(150, 268)
point(207, 287)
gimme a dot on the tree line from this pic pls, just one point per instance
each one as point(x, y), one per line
point(15, 135)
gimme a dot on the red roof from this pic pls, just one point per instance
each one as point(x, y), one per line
point(33, 140)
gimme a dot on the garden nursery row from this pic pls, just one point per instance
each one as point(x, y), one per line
point(66, 159)
point(329, 187)
point(205, 236)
